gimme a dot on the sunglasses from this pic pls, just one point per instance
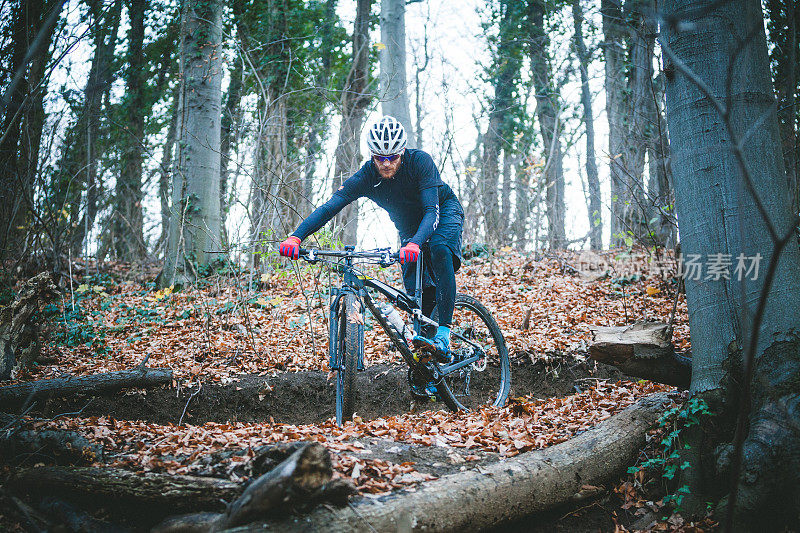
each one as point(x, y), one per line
point(383, 158)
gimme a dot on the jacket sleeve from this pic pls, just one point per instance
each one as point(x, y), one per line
point(430, 217)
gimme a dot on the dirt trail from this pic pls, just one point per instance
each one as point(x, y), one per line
point(303, 397)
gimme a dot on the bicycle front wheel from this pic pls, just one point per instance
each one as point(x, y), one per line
point(487, 381)
point(349, 342)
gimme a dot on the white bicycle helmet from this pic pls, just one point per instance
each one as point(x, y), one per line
point(386, 136)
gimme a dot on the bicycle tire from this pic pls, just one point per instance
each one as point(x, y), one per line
point(474, 321)
point(348, 341)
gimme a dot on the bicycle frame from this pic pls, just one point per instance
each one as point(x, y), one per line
point(355, 281)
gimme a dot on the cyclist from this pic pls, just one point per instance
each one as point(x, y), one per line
point(406, 183)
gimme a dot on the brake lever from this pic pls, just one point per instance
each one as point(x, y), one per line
point(389, 259)
point(310, 256)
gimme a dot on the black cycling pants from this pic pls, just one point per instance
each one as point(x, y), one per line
point(439, 280)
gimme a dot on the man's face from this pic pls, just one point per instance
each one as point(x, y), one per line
point(387, 167)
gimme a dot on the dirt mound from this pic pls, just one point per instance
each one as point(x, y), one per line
point(304, 397)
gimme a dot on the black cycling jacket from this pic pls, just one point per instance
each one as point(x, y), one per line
point(415, 198)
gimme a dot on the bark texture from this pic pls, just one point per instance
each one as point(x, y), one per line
point(59, 447)
point(722, 47)
point(194, 213)
point(393, 84)
point(114, 487)
point(499, 493)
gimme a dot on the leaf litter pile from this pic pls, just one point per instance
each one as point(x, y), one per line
point(235, 323)
point(523, 424)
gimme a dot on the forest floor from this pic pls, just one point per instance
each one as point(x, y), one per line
point(249, 357)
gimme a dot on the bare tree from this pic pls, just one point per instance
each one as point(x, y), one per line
point(547, 112)
point(98, 83)
point(505, 72)
point(32, 28)
point(594, 206)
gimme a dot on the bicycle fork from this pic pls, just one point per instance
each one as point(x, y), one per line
point(334, 351)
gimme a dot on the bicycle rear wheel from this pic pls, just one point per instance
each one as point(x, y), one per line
point(349, 343)
point(487, 381)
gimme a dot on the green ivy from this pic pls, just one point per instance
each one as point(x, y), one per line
point(668, 462)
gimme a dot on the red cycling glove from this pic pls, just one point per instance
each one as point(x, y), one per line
point(409, 253)
point(290, 247)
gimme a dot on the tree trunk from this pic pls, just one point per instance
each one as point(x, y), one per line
point(784, 34)
point(231, 118)
point(32, 30)
point(355, 98)
point(502, 492)
point(547, 112)
point(129, 242)
point(505, 74)
point(640, 130)
point(165, 177)
point(318, 128)
point(719, 214)
point(595, 207)
point(100, 77)
point(522, 209)
point(85, 385)
point(393, 84)
point(505, 199)
point(51, 446)
point(660, 189)
point(194, 214)
point(614, 53)
point(292, 484)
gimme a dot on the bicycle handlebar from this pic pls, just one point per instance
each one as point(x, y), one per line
point(384, 255)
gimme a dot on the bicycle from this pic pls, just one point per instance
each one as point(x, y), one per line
point(477, 344)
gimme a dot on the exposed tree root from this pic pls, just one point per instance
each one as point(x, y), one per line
point(19, 329)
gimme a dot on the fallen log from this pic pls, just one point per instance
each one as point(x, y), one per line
point(158, 494)
point(303, 479)
point(499, 493)
point(87, 385)
point(75, 519)
point(51, 446)
point(642, 350)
